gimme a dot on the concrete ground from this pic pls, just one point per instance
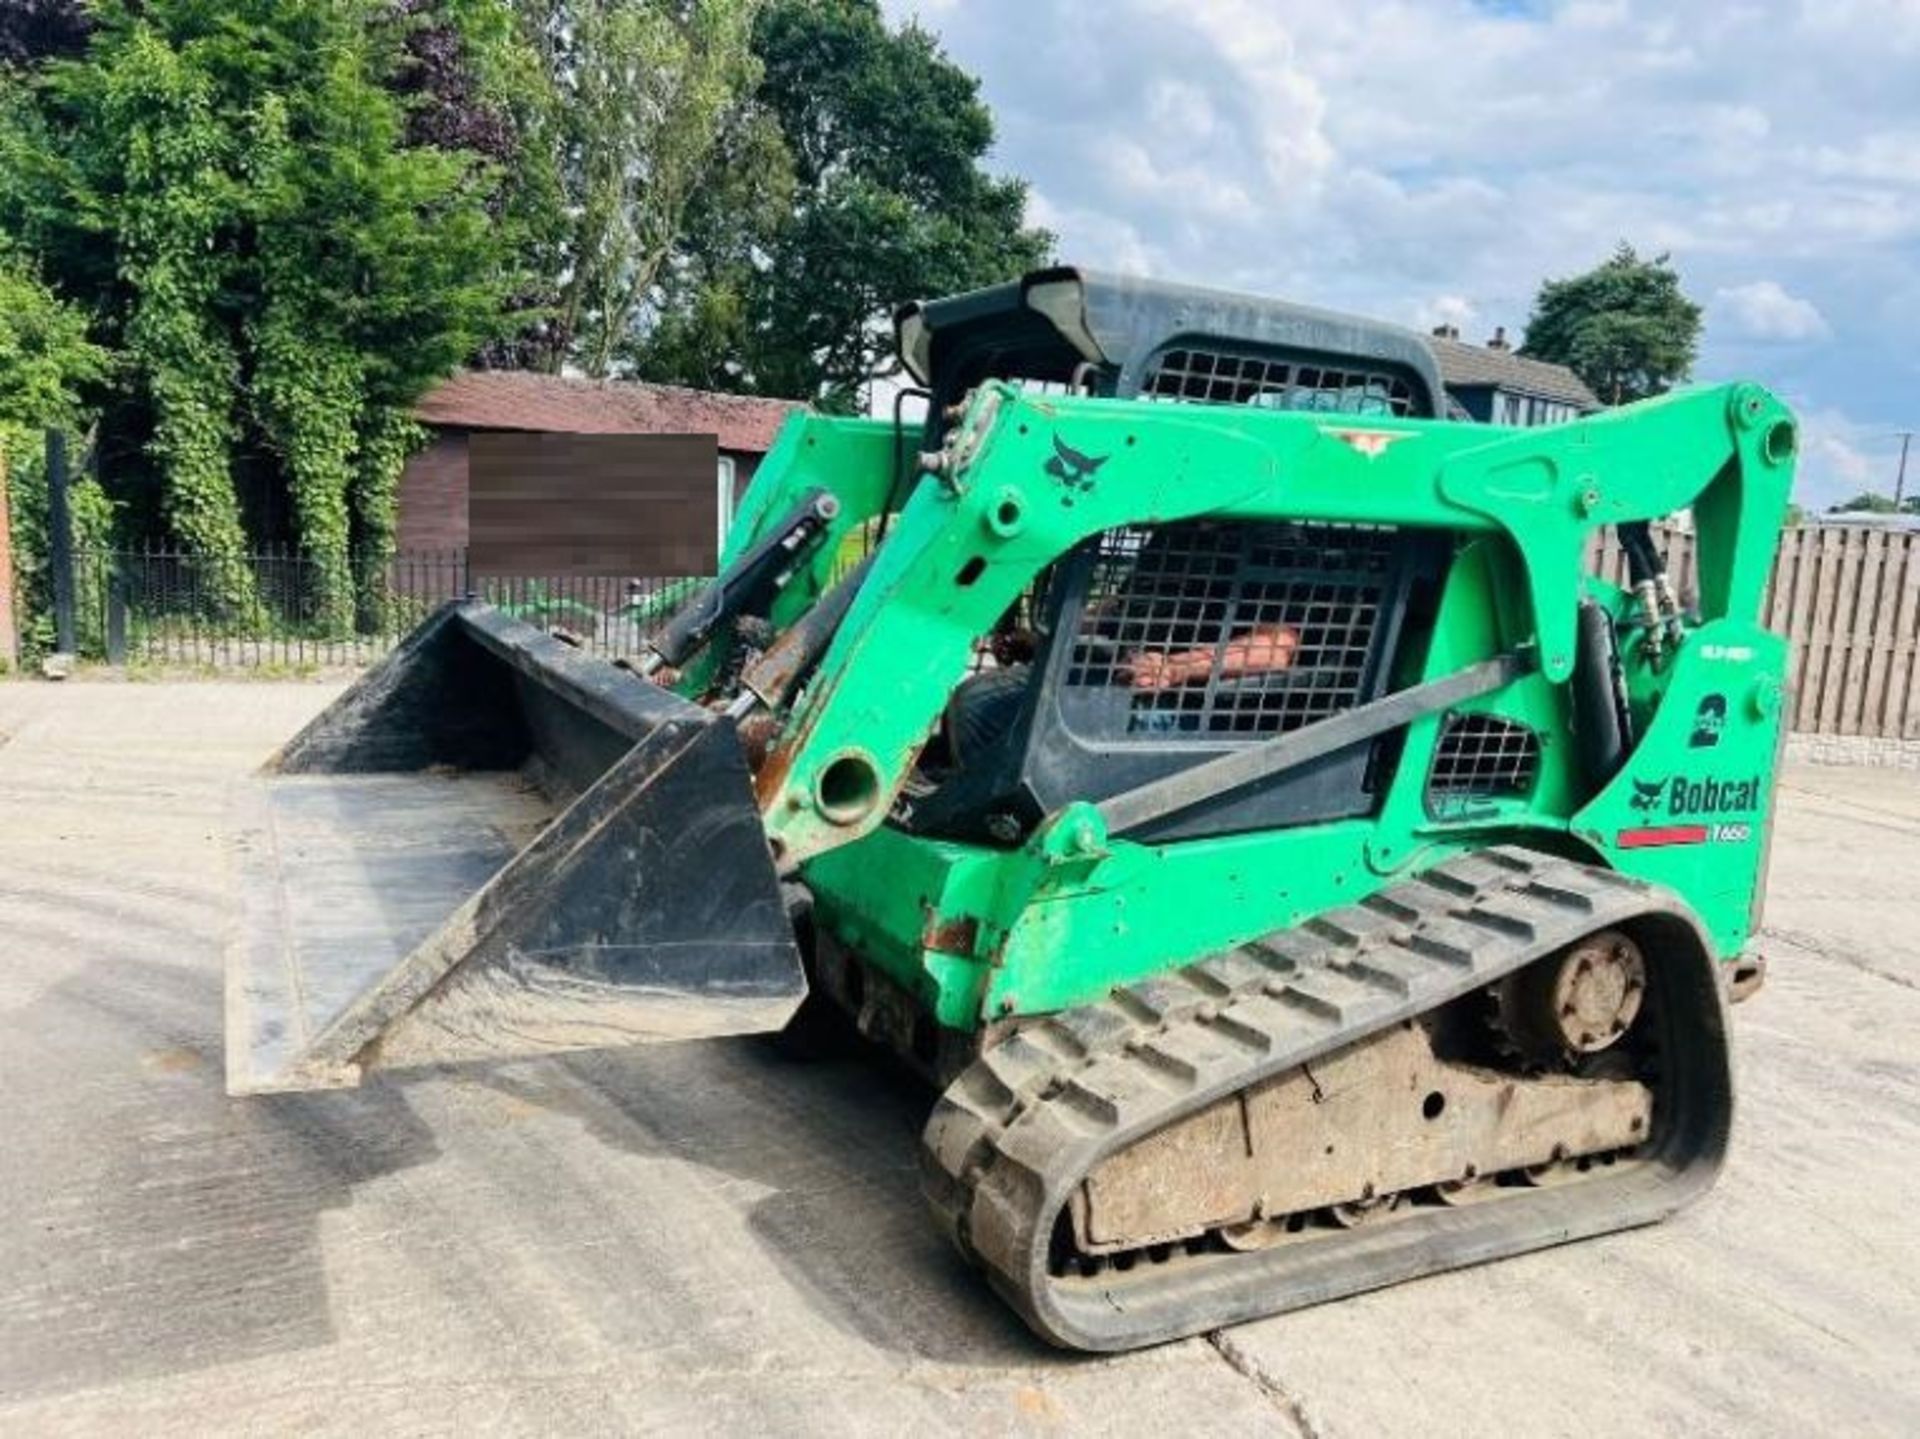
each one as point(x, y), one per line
point(707, 1238)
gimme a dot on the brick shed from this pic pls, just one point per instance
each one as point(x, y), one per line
point(434, 486)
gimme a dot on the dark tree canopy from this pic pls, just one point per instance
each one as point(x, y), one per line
point(786, 276)
point(444, 84)
point(1624, 327)
point(1864, 503)
point(36, 30)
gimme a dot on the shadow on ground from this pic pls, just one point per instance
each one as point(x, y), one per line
point(837, 1141)
point(153, 1224)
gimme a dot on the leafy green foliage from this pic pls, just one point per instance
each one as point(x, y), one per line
point(1871, 502)
point(1624, 327)
point(91, 515)
point(388, 434)
point(786, 274)
point(151, 165)
point(230, 188)
point(45, 356)
point(630, 98)
point(282, 220)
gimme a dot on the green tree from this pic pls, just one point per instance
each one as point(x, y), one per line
point(1867, 502)
point(45, 356)
point(227, 186)
point(786, 292)
point(696, 327)
point(480, 80)
point(46, 363)
point(631, 100)
point(1624, 327)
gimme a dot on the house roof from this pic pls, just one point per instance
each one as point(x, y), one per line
point(1467, 365)
point(525, 400)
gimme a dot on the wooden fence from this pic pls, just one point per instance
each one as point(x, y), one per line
point(1848, 599)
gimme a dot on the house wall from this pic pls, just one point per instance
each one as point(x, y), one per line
point(433, 495)
point(434, 492)
point(1483, 402)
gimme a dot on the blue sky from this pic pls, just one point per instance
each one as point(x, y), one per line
point(1428, 160)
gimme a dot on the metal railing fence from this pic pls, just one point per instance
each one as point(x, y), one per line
point(159, 605)
point(1847, 597)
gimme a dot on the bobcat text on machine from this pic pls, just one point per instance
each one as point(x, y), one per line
point(1218, 773)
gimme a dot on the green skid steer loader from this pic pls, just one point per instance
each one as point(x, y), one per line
point(1223, 776)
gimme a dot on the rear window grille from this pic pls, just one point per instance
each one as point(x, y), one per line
point(1224, 631)
point(1483, 757)
point(1214, 377)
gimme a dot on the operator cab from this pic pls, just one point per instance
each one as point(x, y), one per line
point(1153, 648)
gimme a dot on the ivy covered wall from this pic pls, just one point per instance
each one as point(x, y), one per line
point(276, 264)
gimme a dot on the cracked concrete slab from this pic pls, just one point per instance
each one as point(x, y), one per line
point(709, 1238)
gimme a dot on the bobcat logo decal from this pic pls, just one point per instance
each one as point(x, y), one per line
point(1071, 468)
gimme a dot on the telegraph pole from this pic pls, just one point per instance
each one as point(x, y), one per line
point(1900, 478)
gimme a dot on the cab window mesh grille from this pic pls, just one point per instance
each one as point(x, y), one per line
point(1210, 630)
point(1220, 378)
point(1484, 757)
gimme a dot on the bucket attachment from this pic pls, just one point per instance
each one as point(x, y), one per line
point(495, 846)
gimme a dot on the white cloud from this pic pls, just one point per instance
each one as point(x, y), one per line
point(1840, 457)
point(1832, 454)
point(1106, 245)
point(1891, 156)
point(1385, 157)
point(1763, 310)
point(1455, 310)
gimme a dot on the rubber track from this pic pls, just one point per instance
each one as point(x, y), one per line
point(1013, 1136)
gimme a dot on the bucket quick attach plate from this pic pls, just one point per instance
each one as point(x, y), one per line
point(495, 846)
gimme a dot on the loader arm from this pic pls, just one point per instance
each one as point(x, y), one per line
point(854, 461)
point(1022, 480)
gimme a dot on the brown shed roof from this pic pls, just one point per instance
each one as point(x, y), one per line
point(524, 400)
point(1464, 364)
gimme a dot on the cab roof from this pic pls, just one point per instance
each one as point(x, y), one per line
point(1050, 323)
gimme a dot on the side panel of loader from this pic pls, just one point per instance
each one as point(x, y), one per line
point(989, 933)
